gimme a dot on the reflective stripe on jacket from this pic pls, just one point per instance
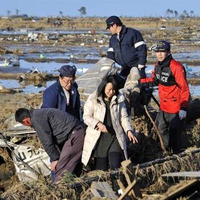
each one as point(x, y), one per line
point(129, 50)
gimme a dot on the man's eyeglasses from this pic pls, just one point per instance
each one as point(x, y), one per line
point(68, 81)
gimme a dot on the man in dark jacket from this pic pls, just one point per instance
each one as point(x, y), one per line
point(63, 94)
point(60, 133)
point(174, 95)
point(128, 49)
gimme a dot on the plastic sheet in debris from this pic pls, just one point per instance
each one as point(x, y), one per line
point(90, 80)
point(4, 143)
point(29, 162)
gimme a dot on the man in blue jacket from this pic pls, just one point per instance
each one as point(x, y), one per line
point(126, 46)
point(128, 49)
point(61, 135)
point(63, 94)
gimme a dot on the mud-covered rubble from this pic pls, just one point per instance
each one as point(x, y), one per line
point(184, 38)
point(179, 38)
point(149, 160)
point(57, 38)
point(180, 35)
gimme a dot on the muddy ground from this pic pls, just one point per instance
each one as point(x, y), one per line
point(152, 185)
point(10, 101)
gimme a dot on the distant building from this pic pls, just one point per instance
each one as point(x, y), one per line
point(24, 16)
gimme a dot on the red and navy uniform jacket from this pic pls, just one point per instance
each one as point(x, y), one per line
point(173, 88)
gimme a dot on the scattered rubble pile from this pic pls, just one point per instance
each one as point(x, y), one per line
point(141, 177)
point(138, 178)
point(135, 183)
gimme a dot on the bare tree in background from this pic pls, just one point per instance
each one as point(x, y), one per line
point(61, 13)
point(8, 13)
point(191, 13)
point(17, 11)
point(82, 11)
point(176, 13)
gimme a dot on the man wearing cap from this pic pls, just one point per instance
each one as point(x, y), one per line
point(170, 77)
point(128, 49)
point(61, 135)
point(126, 46)
point(63, 94)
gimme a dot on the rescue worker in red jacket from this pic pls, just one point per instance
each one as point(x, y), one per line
point(173, 90)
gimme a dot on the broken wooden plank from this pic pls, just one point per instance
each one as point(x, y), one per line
point(180, 188)
point(195, 174)
point(122, 188)
point(129, 173)
point(127, 190)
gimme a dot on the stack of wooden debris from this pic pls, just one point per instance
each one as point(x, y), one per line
point(103, 189)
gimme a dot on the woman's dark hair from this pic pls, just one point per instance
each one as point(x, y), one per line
point(104, 82)
point(21, 114)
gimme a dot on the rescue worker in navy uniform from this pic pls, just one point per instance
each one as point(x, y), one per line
point(61, 134)
point(128, 49)
point(174, 95)
point(63, 94)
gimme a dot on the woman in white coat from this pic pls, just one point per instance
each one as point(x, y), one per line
point(106, 116)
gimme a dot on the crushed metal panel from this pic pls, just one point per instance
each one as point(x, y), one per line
point(29, 162)
point(19, 133)
point(89, 81)
point(13, 125)
point(17, 129)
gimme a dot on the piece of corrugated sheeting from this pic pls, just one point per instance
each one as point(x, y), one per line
point(89, 81)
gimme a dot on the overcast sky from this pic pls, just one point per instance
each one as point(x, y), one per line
point(101, 8)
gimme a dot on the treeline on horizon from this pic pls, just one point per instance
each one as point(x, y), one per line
point(83, 13)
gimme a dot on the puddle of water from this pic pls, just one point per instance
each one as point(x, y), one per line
point(194, 90)
point(48, 67)
point(192, 55)
point(53, 52)
point(52, 67)
point(25, 88)
point(50, 31)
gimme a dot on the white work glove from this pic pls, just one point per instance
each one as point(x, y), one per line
point(140, 66)
point(182, 114)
